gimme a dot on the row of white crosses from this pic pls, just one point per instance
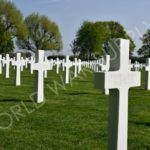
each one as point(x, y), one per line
point(41, 65)
point(98, 65)
point(119, 79)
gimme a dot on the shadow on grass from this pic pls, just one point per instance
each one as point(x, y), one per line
point(7, 84)
point(141, 123)
point(14, 100)
point(82, 93)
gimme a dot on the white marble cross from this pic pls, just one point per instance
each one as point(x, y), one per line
point(106, 63)
point(79, 65)
point(136, 66)
point(57, 63)
point(119, 79)
point(67, 64)
point(51, 64)
point(147, 69)
point(6, 62)
point(26, 62)
point(39, 66)
point(1, 59)
point(31, 61)
point(45, 72)
point(75, 63)
point(18, 63)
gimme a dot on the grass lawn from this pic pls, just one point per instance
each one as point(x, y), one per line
point(73, 118)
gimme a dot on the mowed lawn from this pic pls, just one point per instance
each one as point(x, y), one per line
point(73, 117)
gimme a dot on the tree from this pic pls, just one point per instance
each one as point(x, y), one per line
point(75, 48)
point(145, 48)
point(43, 34)
point(11, 25)
point(92, 38)
point(6, 43)
point(116, 30)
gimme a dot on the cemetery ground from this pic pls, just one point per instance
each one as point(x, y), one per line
point(74, 117)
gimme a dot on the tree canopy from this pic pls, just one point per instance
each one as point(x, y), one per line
point(92, 38)
point(145, 48)
point(42, 34)
point(11, 25)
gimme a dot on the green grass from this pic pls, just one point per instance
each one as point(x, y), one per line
point(74, 119)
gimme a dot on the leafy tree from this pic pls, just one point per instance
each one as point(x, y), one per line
point(116, 30)
point(11, 25)
point(92, 38)
point(75, 48)
point(145, 49)
point(6, 43)
point(43, 34)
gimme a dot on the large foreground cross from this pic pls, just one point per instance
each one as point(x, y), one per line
point(119, 79)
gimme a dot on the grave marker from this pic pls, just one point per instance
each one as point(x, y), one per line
point(67, 64)
point(147, 69)
point(119, 79)
point(39, 66)
point(18, 63)
point(6, 62)
point(57, 63)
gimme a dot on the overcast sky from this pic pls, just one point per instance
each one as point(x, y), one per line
point(69, 14)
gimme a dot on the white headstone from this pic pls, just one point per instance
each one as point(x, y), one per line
point(147, 69)
point(23, 62)
point(67, 65)
point(57, 63)
point(18, 63)
point(75, 63)
point(40, 66)
point(6, 62)
point(26, 62)
point(118, 80)
point(79, 65)
point(1, 59)
point(136, 66)
point(31, 61)
point(45, 72)
point(51, 64)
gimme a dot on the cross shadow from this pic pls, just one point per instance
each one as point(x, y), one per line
point(78, 93)
point(5, 84)
point(141, 123)
point(15, 100)
point(82, 93)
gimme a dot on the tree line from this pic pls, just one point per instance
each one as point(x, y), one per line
point(32, 33)
point(37, 31)
point(92, 39)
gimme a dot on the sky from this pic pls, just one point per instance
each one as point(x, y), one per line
point(70, 14)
